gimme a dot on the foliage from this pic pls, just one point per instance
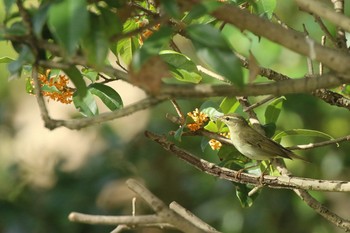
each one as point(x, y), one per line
point(74, 52)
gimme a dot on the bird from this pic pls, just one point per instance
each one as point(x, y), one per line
point(251, 143)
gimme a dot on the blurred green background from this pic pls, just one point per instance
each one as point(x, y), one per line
point(44, 175)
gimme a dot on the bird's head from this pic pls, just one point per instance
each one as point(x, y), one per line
point(233, 120)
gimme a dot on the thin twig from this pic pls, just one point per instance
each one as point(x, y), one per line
point(178, 111)
point(259, 103)
point(325, 29)
point(319, 144)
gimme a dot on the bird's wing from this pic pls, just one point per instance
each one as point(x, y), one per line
point(269, 146)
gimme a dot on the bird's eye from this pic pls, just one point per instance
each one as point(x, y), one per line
point(227, 118)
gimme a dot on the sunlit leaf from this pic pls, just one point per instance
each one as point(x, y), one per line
point(6, 60)
point(229, 105)
point(302, 132)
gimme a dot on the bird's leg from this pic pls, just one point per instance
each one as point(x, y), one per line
point(261, 178)
point(239, 172)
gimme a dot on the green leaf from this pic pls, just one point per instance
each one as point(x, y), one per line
point(229, 105)
point(95, 44)
point(242, 193)
point(152, 46)
point(125, 48)
point(108, 95)
point(86, 105)
point(91, 74)
point(25, 57)
point(171, 8)
point(40, 18)
point(69, 21)
point(29, 86)
point(8, 5)
point(212, 127)
point(269, 7)
point(49, 88)
point(273, 110)
point(6, 60)
point(200, 11)
point(181, 67)
point(78, 81)
point(215, 51)
point(111, 23)
point(211, 112)
point(204, 143)
point(178, 133)
point(302, 132)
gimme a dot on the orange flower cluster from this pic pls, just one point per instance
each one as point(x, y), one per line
point(199, 119)
point(64, 93)
point(147, 32)
point(215, 144)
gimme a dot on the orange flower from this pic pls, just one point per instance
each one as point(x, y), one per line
point(215, 144)
point(63, 94)
point(199, 119)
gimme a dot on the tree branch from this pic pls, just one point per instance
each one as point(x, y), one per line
point(302, 85)
point(320, 9)
point(231, 175)
point(103, 117)
point(296, 41)
point(174, 217)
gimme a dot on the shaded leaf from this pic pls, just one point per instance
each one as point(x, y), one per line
point(78, 81)
point(178, 133)
point(86, 105)
point(242, 191)
point(95, 44)
point(68, 22)
point(215, 51)
point(25, 57)
point(273, 110)
point(151, 47)
point(181, 67)
point(108, 95)
point(171, 8)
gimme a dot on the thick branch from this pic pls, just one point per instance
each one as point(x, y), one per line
point(320, 9)
point(334, 59)
point(302, 85)
point(231, 175)
point(103, 117)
